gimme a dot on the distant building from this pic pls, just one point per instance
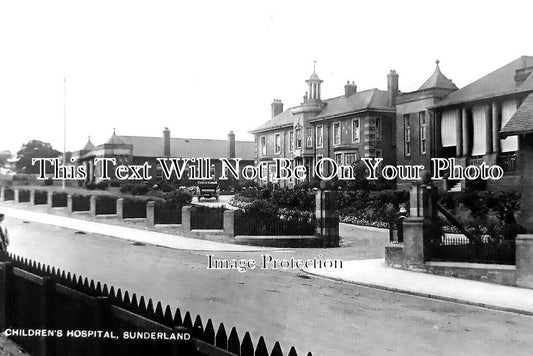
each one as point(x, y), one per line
point(136, 150)
point(345, 128)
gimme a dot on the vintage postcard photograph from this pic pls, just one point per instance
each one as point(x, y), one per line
point(266, 178)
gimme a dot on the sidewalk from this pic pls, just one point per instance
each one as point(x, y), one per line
point(374, 273)
point(127, 233)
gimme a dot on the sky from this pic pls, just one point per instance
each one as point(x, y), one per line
point(203, 68)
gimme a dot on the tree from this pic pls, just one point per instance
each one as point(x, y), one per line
point(34, 149)
point(4, 156)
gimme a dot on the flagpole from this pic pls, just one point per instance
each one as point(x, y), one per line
point(64, 127)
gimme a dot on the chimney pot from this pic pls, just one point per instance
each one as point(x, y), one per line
point(231, 142)
point(166, 142)
point(392, 87)
point(277, 107)
point(350, 89)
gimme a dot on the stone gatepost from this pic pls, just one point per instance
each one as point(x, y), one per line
point(2, 193)
point(32, 197)
point(69, 203)
point(120, 208)
point(327, 215)
point(417, 227)
point(229, 222)
point(17, 195)
point(524, 261)
point(186, 218)
point(150, 213)
point(49, 200)
point(92, 206)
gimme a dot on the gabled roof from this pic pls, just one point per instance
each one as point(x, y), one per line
point(522, 120)
point(438, 80)
point(342, 105)
point(498, 83)
point(283, 119)
point(359, 101)
point(144, 146)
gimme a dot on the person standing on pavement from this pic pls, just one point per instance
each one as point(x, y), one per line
point(4, 238)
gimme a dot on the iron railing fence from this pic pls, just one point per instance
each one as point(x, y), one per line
point(253, 225)
point(460, 249)
point(207, 218)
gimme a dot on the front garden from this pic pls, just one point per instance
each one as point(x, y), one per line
point(485, 215)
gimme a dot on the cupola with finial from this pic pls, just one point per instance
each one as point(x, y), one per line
point(313, 84)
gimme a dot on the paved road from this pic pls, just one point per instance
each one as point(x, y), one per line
point(324, 317)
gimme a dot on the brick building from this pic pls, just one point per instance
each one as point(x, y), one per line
point(345, 128)
point(136, 150)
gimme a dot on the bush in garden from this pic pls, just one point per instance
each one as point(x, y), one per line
point(135, 188)
point(115, 183)
point(48, 181)
point(484, 212)
point(102, 185)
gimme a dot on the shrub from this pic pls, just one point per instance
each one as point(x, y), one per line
point(483, 213)
point(115, 183)
point(135, 188)
point(297, 198)
point(48, 181)
point(90, 185)
point(102, 185)
point(174, 199)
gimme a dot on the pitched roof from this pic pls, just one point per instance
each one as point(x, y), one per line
point(144, 146)
point(522, 120)
point(88, 146)
point(114, 139)
point(341, 105)
point(283, 119)
point(363, 100)
point(498, 83)
point(438, 80)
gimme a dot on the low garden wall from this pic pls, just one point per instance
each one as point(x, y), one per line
point(289, 230)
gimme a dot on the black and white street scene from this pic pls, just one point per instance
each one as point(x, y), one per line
point(266, 178)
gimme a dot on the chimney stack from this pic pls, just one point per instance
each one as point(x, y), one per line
point(231, 140)
point(522, 73)
point(350, 88)
point(166, 142)
point(392, 87)
point(277, 107)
